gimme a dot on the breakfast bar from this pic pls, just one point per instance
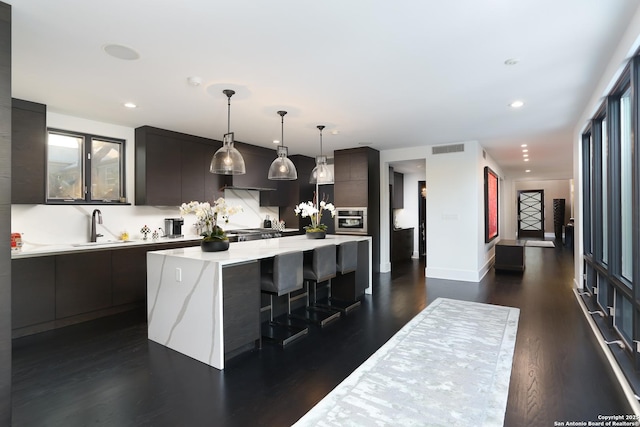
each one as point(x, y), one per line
point(206, 304)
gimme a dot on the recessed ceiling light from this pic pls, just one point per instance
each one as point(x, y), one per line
point(365, 143)
point(130, 105)
point(121, 52)
point(523, 145)
point(511, 61)
point(525, 151)
point(525, 155)
point(528, 170)
point(335, 132)
point(526, 160)
point(275, 141)
point(516, 104)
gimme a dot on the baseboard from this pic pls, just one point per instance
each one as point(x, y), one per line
point(452, 274)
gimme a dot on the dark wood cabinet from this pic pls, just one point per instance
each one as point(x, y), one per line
point(79, 286)
point(173, 168)
point(129, 275)
point(33, 291)
point(241, 306)
point(402, 244)
point(398, 191)
point(28, 152)
point(83, 283)
point(356, 177)
point(257, 161)
point(357, 184)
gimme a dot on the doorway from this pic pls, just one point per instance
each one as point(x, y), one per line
point(531, 214)
point(422, 219)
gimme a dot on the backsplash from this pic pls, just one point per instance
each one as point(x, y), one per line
point(61, 224)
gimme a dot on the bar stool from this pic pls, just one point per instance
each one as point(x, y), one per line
point(320, 266)
point(279, 276)
point(346, 263)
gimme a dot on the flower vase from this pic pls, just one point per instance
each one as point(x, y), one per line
point(214, 245)
point(316, 234)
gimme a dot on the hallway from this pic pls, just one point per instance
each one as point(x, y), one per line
point(107, 373)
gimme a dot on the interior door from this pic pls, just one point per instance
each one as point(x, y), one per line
point(531, 213)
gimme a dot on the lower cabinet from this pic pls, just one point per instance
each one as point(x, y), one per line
point(83, 283)
point(58, 290)
point(129, 275)
point(33, 291)
point(402, 244)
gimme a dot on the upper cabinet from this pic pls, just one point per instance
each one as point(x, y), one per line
point(172, 168)
point(398, 190)
point(257, 161)
point(356, 175)
point(28, 151)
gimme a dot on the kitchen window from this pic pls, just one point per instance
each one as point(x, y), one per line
point(84, 168)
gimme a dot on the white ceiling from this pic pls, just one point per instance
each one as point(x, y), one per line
point(387, 73)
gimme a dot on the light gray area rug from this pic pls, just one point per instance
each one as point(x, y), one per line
point(449, 366)
point(540, 243)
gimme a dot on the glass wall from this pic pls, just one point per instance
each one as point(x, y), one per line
point(611, 187)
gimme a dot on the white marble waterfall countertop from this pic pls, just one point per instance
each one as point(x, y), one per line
point(185, 291)
point(258, 249)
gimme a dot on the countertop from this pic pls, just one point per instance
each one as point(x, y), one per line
point(31, 250)
point(240, 252)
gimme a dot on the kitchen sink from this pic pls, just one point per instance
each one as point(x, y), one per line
point(106, 242)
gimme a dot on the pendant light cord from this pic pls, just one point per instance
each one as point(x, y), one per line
point(282, 113)
point(320, 127)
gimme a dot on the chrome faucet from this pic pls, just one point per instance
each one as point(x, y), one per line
point(94, 236)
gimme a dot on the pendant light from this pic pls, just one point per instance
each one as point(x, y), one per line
point(282, 168)
point(227, 160)
point(321, 174)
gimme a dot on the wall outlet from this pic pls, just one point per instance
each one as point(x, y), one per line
point(178, 275)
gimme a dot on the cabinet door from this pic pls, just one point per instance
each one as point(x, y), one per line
point(398, 191)
point(83, 283)
point(32, 291)
point(351, 194)
point(257, 161)
point(192, 167)
point(129, 275)
point(28, 152)
point(158, 170)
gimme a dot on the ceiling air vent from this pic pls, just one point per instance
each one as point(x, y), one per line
point(443, 149)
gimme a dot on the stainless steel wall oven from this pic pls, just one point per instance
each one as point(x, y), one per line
point(351, 220)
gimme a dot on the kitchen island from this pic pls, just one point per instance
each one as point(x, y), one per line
point(206, 305)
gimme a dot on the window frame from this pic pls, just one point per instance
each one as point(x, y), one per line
point(87, 149)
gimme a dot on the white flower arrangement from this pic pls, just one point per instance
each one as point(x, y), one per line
point(314, 211)
point(208, 217)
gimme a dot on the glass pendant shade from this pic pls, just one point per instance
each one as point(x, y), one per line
point(321, 174)
point(227, 160)
point(282, 168)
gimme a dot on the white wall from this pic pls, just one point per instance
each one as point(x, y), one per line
point(56, 224)
point(455, 211)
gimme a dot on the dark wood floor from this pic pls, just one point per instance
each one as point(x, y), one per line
point(107, 373)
